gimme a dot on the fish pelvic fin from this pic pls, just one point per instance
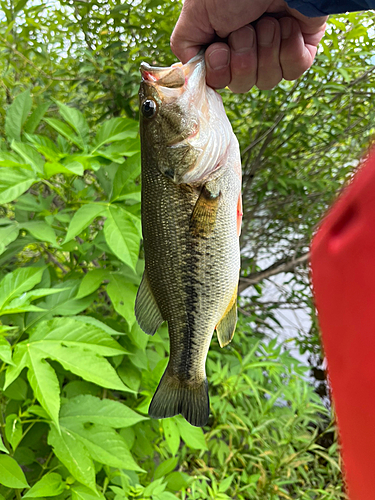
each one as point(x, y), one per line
point(146, 309)
point(188, 398)
point(227, 325)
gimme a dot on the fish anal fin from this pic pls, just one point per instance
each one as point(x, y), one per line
point(204, 215)
point(188, 398)
point(147, 311)
point(227, 325)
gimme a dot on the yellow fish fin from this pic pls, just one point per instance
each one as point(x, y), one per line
point(203, 218)
point(186, 397)
point(147, 311)
point(227, 325)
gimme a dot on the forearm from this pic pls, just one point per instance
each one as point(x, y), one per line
point(316, 8)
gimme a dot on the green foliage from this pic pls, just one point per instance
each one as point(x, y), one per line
point(77, 373)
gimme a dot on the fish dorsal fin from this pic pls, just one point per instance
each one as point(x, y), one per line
point(147, 311)
point(227, 325)
point(204, 215)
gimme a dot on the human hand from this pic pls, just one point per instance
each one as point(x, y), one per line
point(277, 47)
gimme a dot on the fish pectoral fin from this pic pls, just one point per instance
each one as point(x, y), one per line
point(239, 214)
point(227, 325)
point(204, 215)
point(147, 311)
point(188, 398)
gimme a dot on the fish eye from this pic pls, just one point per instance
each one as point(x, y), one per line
point(149, 108)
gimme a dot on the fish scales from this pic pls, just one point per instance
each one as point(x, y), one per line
point(190, 232)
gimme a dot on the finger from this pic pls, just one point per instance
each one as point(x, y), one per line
point(193, 29)
point(243, 59)
point(295, 56)
point(218, 65)
point(268, 40)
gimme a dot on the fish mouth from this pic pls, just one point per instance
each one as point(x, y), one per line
point(176, 76)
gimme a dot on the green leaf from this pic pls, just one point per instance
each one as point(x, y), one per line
point(5, 351)
point(76, 333)
point(192, 436)
point(80, 492)
point(75, 167)
point(91, 282)
point(102, 326)
point(104, 444)
point(13, 182)
point(166, 495)
point(116, 129)
point(83, 218)
point(63, 303)
point(2, 446)
point(50, 485)
point(157, 487)
point(129, 374)
point(29, 155)
point(85, 364)
point(16, 115)
point(74, 455)
point(166, 467)
point(45, 146)
point(79, 348)
point(44, 383)
point(86, 408)
point(40, 230)
point(20, 5)
point(178, 480)
point(21, 303)
point(20, 359)
point(13, 430)
point(29, 203)
point(53, 168)
point(225, 484)
point(17, 390)
point(36, 117)
point(76, 120)
point(172, 434)
point(63, 129)
point(122, 231)
point(123, 296)
point(11, 474)
point(18, 282)
point(117, 151)
point(125, 175)
point(7, 235)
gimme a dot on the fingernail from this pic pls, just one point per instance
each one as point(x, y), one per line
point(218, 59)
point(266, 34)
point(286, 27)
point(242, 40)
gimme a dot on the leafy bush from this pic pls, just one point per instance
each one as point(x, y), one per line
point(78, 374)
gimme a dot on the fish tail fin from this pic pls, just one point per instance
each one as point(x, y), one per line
point(174, 397)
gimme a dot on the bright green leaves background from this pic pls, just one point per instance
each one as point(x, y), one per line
point(77, 373)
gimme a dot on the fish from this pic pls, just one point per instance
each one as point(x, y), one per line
point(191, 214)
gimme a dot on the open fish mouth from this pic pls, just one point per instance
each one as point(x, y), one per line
point(176, 76)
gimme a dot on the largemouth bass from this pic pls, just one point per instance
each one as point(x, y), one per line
point(191, 218)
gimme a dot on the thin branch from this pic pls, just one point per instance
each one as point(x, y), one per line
point(53, 259)
point(265, 134)
point(276, 268)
